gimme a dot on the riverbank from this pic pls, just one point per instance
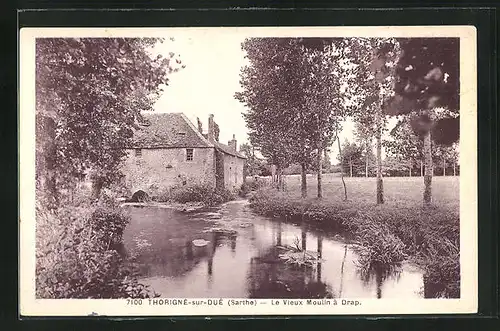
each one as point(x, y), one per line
point(386, 235)
point(79, 250)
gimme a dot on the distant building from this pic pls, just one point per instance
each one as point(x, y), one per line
point(168, 150)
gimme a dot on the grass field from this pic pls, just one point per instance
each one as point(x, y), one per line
point(398, 191)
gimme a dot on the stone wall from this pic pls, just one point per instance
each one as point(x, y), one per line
point(155, 170)
point(233, 172)
point(219, 169)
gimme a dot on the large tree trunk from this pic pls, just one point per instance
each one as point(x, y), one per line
point(50, 187)
point(410, 171)
point(428, 169)
point(350, 167)
point(97, 184)
point(341, 168)
point(378, 282)
point(320, 189)
point(46, 157)
point(380, 183)
point(454, 170)
point(421, 168)
point(303, 182)
point(444, 166)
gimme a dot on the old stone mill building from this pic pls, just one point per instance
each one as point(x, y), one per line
point(168, 150)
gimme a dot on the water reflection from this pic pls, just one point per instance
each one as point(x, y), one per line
point(342, 271)
point(269, 277)
point(245, 262)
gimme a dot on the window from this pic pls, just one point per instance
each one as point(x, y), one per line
point(189, 154)
point(138, 152)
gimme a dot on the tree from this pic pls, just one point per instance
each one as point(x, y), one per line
point(394, 166)
point(364, 135)
point(351, 158)
point(427, 91)
point(89, 94)
point(444, 156)
point(265, 116)
point(322, 96)
point(374, 61)
point(326, 163)
point(369, 161)
point(405, 146)
point(454, 155)
point(289, 91)
point(253, 164)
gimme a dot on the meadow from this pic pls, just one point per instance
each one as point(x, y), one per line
point(398, 191)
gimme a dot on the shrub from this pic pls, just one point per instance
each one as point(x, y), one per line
point(162, 196)
point(191, 193)
point(204, 193)
point(78, 253)
point(244, 190)
point(219, 196)
point(254, 184)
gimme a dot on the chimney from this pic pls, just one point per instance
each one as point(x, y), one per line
point(200, 126)
point(211, 128)
point(232, 143)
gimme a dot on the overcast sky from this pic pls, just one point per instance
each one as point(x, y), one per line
point(208, 82)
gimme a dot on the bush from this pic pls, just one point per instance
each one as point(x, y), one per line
point(204, 193)
point(256, 183)
point(78, 253)
point(162, 196)
point(244, 190)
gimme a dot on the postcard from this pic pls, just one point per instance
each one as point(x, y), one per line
point(248, 171)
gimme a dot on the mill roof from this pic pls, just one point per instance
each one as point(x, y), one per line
point(228, 150)
point(168, 130)
point(174, 130)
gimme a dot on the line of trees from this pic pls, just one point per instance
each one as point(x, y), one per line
point(298, 92)
point(356, 161)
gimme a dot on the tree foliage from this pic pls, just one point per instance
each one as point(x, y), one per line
point(404, 144)
point(428, 78)
point(373, 61)
point(89, 94)
point(290, 89)
point(253, 165)
point(351, 159)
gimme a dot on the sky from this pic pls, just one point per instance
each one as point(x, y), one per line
point(208, 82)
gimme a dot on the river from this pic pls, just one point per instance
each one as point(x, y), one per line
point(239, 257)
